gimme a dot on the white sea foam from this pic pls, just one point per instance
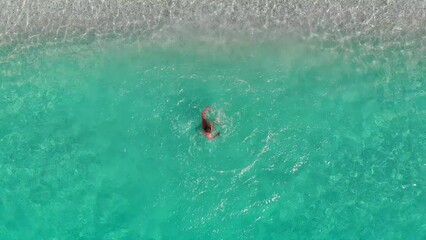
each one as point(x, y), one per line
point(33, 21)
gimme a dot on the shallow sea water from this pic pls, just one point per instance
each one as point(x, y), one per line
point(104, 142)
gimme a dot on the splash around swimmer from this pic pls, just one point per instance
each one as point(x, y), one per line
point(206, 126)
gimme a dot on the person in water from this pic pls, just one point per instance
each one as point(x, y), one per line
point(207, 126)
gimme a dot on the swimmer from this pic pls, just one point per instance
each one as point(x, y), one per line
point(207, 126)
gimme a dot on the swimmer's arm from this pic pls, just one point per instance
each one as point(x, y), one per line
point(215, 136)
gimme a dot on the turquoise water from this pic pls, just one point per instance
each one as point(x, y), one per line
point(103, 141)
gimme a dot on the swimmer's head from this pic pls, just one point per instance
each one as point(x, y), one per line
point(208, 129)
